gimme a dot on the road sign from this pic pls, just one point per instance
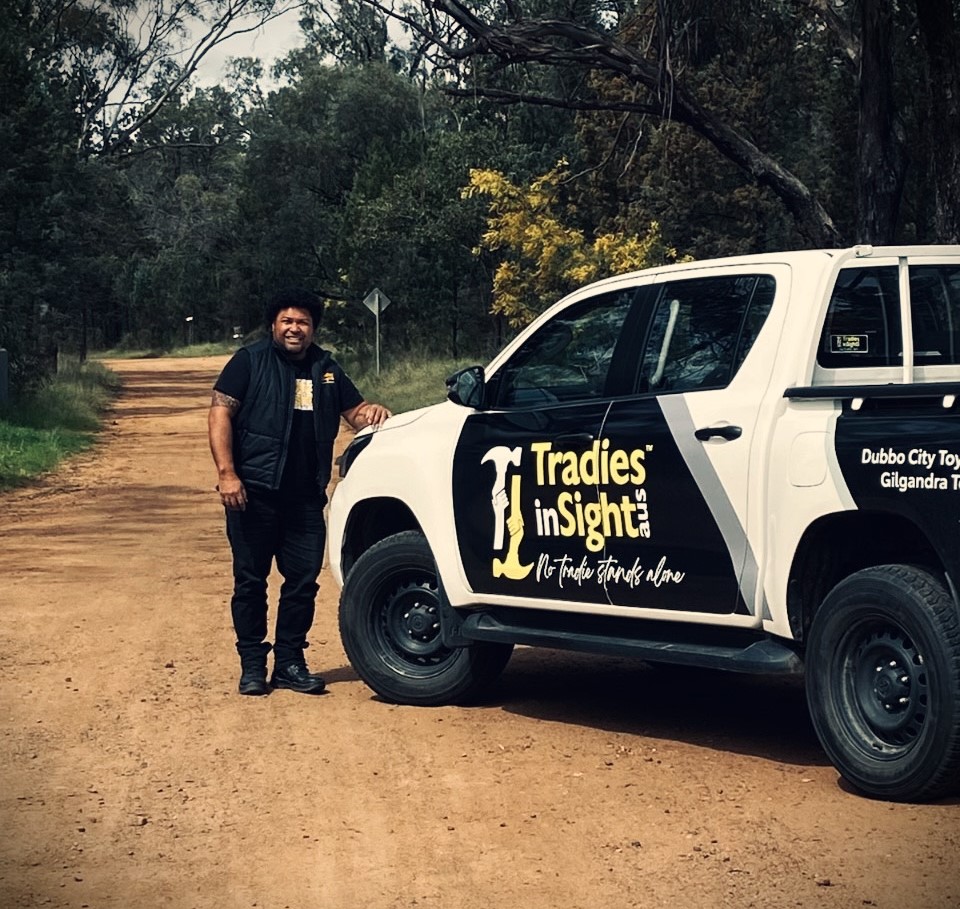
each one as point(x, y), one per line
point(376, 301)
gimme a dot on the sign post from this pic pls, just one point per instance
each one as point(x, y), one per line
point(377, 301)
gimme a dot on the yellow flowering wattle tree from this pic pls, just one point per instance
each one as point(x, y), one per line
point(542, 257)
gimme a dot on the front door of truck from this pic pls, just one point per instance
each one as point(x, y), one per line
point(523, 475)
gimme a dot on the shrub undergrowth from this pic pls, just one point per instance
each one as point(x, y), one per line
point(415, 381)
point(58, 419)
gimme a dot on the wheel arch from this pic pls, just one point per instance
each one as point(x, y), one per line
point(371, 521)
point(837, 545)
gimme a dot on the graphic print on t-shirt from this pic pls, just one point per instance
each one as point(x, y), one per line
point(303, 397)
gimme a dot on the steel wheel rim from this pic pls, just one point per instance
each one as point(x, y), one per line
point(884, 685)
point(407, 625)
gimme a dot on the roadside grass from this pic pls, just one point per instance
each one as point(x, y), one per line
point(58, 419)
point(414, 381)
point(212, 349)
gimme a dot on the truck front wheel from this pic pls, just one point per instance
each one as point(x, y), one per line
point(883, 682)
point(390, 628)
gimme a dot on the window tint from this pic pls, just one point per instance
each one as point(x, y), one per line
point(935, 311)
point(569, 358)
point(703, 329)
point(862, 327)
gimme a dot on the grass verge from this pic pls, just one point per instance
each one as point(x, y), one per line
point(212, 349)
point(413, 382)
point(57, 420)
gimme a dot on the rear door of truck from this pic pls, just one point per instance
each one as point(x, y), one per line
point(702, 373)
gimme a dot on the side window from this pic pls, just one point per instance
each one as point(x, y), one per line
point(702, 330)
point(935, 311)
point(862, 327)
point(569, 358)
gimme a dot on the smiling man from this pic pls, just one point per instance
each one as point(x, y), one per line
point(273, 419)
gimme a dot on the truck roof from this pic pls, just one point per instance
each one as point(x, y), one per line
point(792, 257)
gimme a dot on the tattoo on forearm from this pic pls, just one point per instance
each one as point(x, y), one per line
point(221, 400)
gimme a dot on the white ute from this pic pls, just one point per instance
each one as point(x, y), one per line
point(749, 463)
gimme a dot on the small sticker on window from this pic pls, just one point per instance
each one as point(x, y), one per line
point(842, 344)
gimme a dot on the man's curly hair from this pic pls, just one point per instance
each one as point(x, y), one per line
point(294, 297)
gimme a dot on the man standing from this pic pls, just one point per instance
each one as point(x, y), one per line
point(273, 420)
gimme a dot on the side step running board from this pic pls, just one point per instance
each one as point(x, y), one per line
point(758, 655)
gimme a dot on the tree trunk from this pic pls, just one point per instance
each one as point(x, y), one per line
point(938, 31)
point(880, 147)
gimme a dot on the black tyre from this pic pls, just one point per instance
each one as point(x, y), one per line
point(390, 628)
point(883, 683)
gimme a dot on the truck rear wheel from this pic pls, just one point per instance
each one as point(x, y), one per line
point(883, 682)
point(390, 628)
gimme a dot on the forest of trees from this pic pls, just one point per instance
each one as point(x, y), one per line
point(445, 152)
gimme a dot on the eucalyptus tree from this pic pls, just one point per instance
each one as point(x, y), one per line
point(126, 60)
point(38, 126)
point(348, 32)
point(352, 180)
point(83, 80)
point(183, 174)
point(898, 63)
point(414, 236)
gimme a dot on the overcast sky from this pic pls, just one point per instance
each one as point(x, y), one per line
point(267, 43)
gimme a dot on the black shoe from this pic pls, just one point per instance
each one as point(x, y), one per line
point(297, 677)
point(253, 680)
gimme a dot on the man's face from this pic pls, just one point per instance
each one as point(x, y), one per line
point(293, 331)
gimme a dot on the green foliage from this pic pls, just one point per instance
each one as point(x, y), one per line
point(415, 380)
point(73, 400)
point(348, 174)
point(410, 232)
point(183, 182)
point(37, 173)
point(26, 453)
point(312, 144)
point(56, 420)
point(349, 31)
point(542, 256)
point(770, 73)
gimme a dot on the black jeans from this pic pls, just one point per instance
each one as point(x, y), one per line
point(289, 528)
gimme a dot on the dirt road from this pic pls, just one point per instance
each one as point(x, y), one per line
point(133, 775)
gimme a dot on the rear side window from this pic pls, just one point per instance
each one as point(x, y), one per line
point(702, 330)
point(863, 327)
point(935, 308)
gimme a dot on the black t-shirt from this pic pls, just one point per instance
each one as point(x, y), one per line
point(301, 467)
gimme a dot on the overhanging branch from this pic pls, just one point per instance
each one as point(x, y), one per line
point(563, 42)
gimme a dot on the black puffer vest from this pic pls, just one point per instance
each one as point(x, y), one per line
point(261, 430)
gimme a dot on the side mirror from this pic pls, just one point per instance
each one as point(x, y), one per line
point(466, 387)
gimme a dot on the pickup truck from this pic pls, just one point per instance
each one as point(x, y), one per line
point(749, 464)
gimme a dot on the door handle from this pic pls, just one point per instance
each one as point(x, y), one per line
point(724, 432)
